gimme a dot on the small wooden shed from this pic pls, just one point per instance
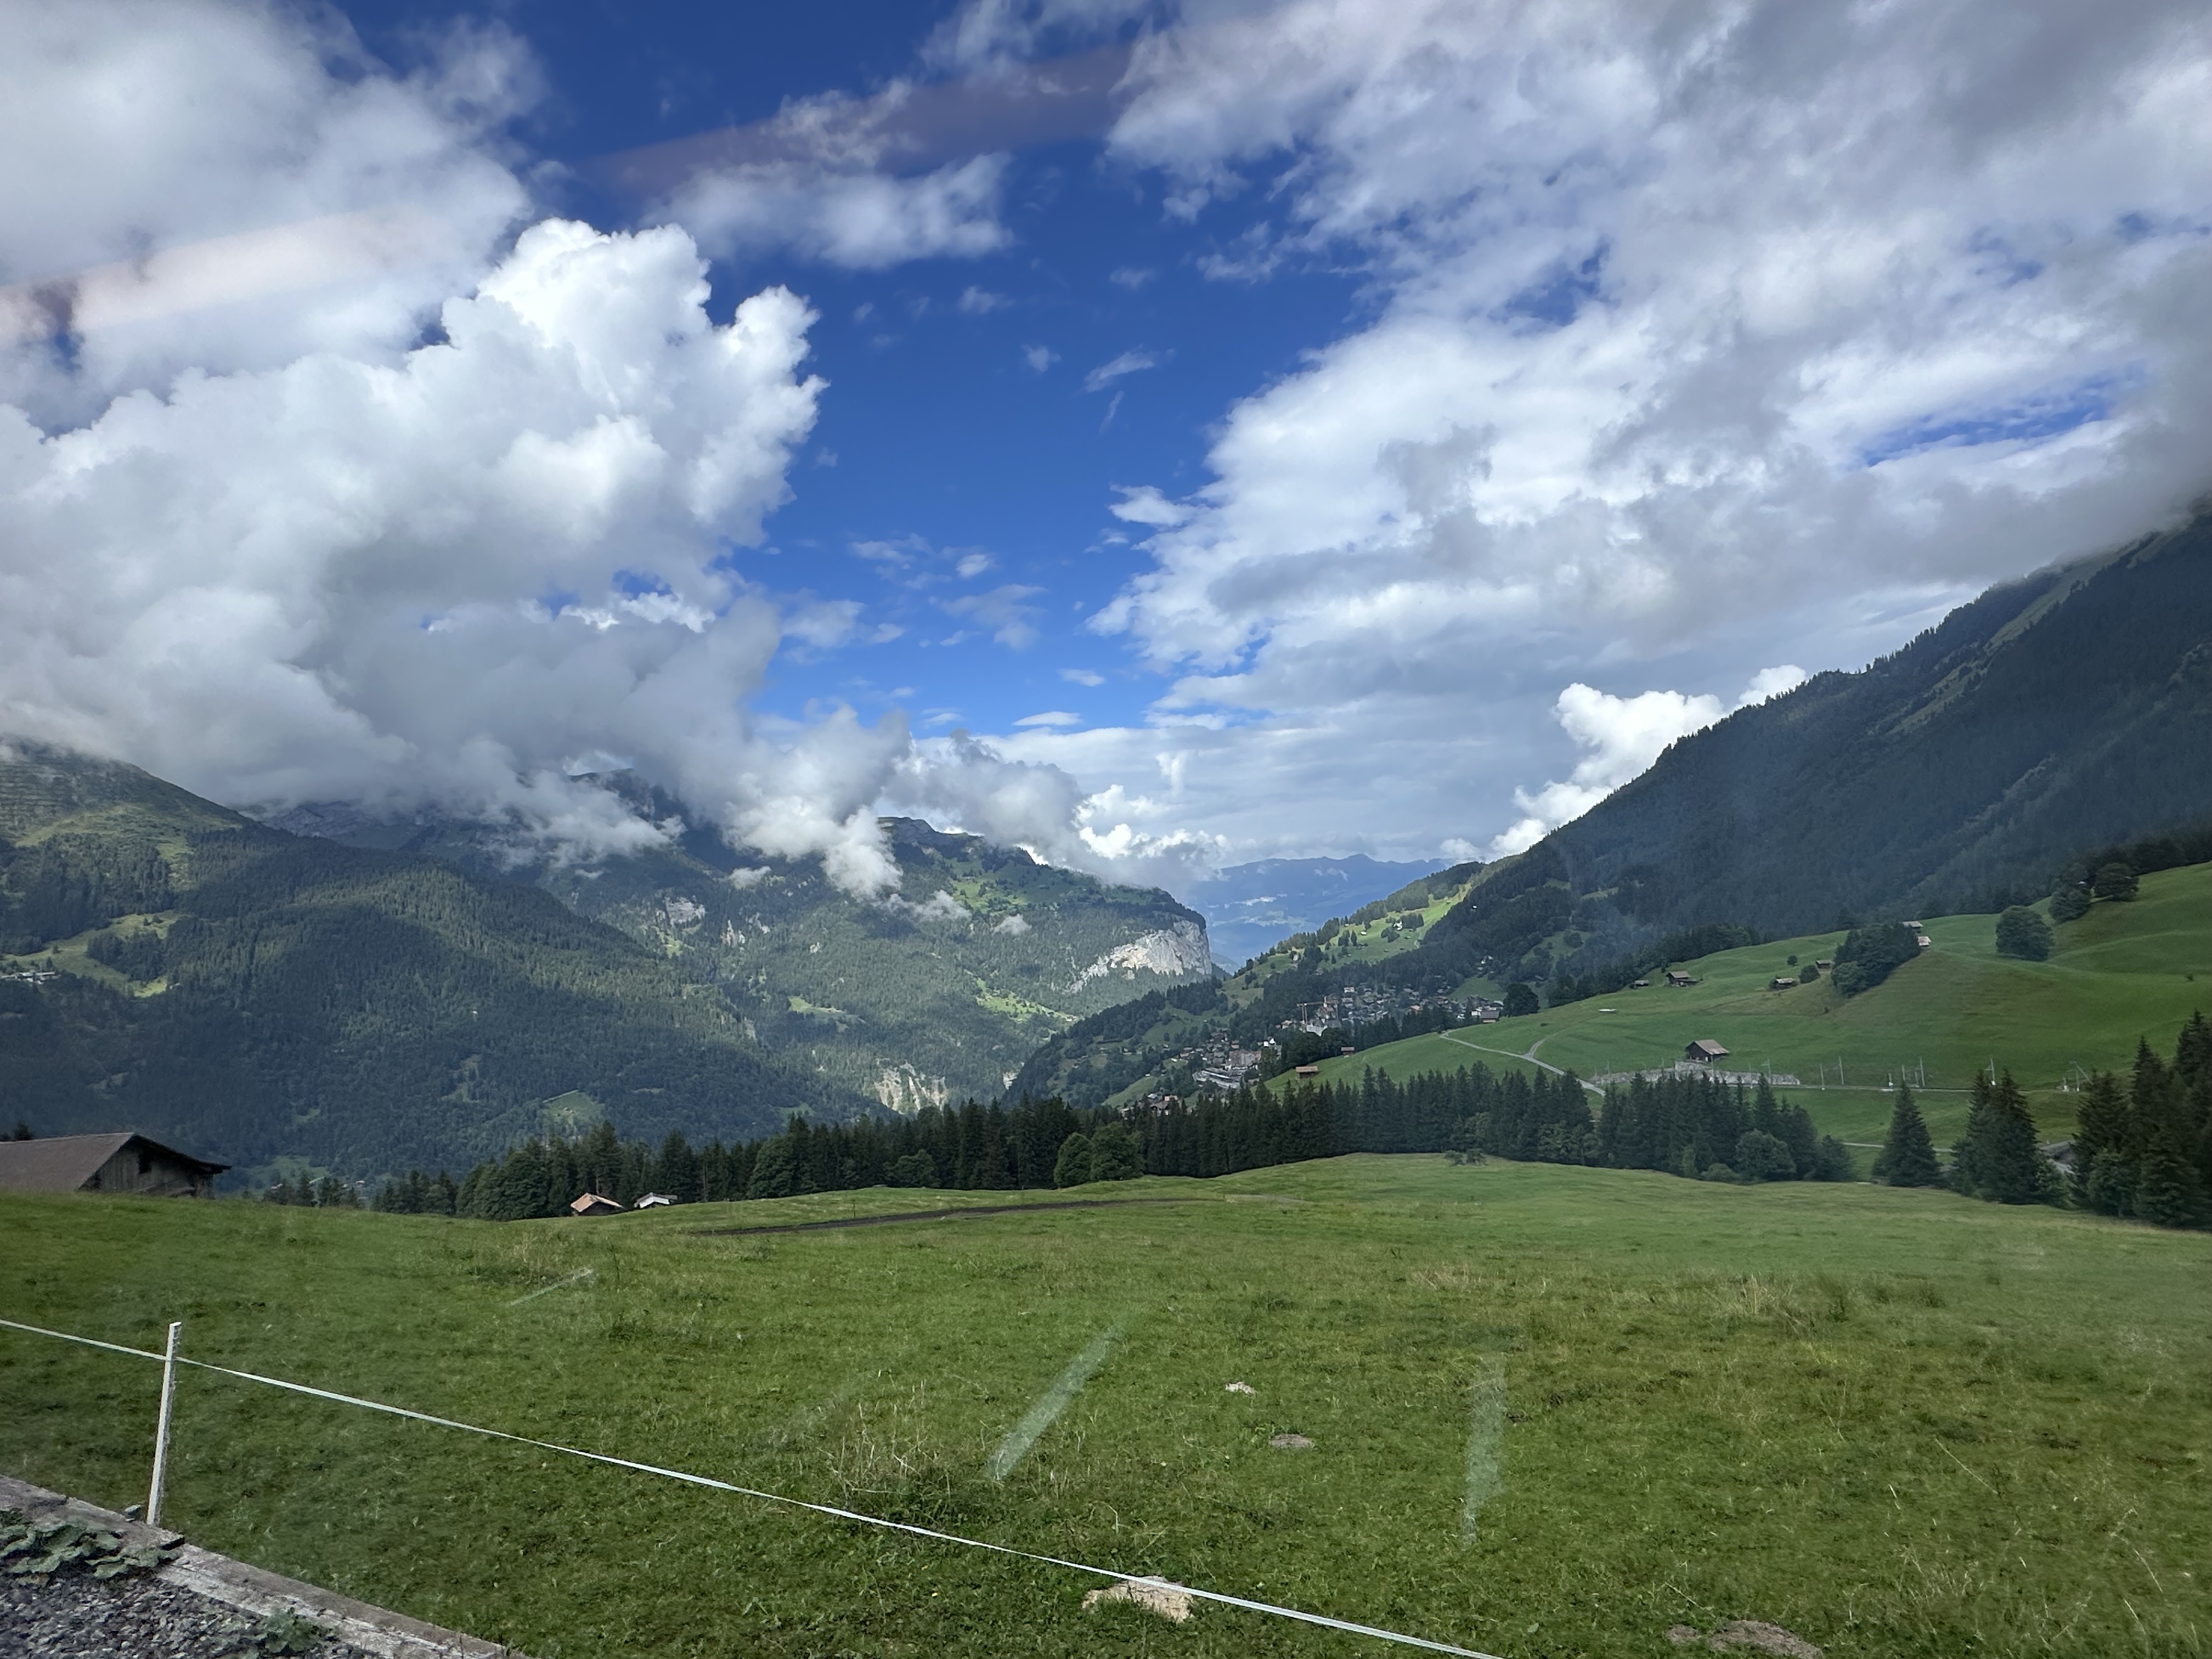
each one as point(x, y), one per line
point(1704, 1052)
point(593, 1204)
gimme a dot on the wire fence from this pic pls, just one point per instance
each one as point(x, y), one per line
point(170, 1359)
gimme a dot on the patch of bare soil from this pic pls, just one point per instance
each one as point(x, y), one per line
point(1290, 1442)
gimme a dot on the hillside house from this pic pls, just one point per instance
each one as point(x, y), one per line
point(1679, 979)
point(1704, 1052)
point(1781, 984)
point(654, 1201)
point(593, 1204)
point(1309, 1071)
point(119, 1163)
point(1640, 985)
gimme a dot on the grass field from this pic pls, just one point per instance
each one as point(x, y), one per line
point(2122, 973)
point(1895, 1422)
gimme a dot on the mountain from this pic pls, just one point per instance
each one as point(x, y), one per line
point(934, 994)
point(1176, 1038)
point(2067, 712)
point(1250, 906)
point(169, 965)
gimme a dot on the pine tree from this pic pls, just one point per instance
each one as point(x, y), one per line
point(1907, 1157)
point(2104, 1140)
point(1997, 1158)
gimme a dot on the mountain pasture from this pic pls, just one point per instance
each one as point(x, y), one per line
point(2122, 973)
point(1889, 1421)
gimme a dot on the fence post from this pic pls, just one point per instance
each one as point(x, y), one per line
point(162, 1426)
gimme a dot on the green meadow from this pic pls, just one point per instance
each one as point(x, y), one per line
point(1552, 1411)
point(2121, 974)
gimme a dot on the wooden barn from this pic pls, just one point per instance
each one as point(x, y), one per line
point(121, 1162)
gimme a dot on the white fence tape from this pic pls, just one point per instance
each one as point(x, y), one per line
point(1223, 1599)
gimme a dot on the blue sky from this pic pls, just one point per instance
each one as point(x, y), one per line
point(1352, 425)
point(938, 433)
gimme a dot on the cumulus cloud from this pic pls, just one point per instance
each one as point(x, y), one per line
point(1700, 338)
point(199, 185)
point(1039, 358)
point(1083, 677)
point(980, 302)
point(1051, 717)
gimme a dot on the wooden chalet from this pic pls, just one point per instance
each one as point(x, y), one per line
point(593, 1204)
point(1704, 1052)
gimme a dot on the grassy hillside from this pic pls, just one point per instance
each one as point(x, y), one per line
point(2124, 973)
point(1895, 1422)
point(933, 996)
point(173, 967)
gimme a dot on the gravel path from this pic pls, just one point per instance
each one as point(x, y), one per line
point(72, 1616)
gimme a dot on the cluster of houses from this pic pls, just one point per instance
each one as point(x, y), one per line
point(29, 976)
point(594, 1204)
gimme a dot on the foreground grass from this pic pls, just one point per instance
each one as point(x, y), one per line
point(1895, 1422)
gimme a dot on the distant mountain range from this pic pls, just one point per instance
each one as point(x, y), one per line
point(930, 996)
point(379, 996)
point(1250, 906)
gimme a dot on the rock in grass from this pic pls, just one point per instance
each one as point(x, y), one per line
point(1754, 1634)
point(1290, 1442)
point(1169, 1601)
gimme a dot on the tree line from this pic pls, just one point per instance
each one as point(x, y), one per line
point(2142, 1149)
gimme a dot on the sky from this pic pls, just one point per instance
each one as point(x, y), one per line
point(1161, 435)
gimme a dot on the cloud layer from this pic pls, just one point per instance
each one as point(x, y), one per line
point(1702, 336)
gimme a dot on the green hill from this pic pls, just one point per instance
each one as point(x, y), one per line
point(168, 965)
point(933, 996)
point(2121, 974)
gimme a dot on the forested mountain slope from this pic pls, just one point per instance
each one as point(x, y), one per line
point(932, 995)
point(1251, 907)
point(174, 968)
point(2070, 709)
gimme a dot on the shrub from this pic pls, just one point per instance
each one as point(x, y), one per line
point(1073, 1168)
point(2115, 881)
point(2024, 934)
point(1762, 1157)
point(2070, 903)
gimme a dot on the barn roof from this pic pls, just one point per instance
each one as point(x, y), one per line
point(62, 1163)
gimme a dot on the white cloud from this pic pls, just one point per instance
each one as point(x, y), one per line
point(1699, 338)
point(1005, 611)
point(1132, 277)
point(855, 217)
point(198, 185)
point(1620, 737)
point(972, 565)
point(1052, 717)
point(979, 303)
point(822, 623)
point(1082, 676)
point(1129, 363)
point(1143, 504)
point(1039, 358)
